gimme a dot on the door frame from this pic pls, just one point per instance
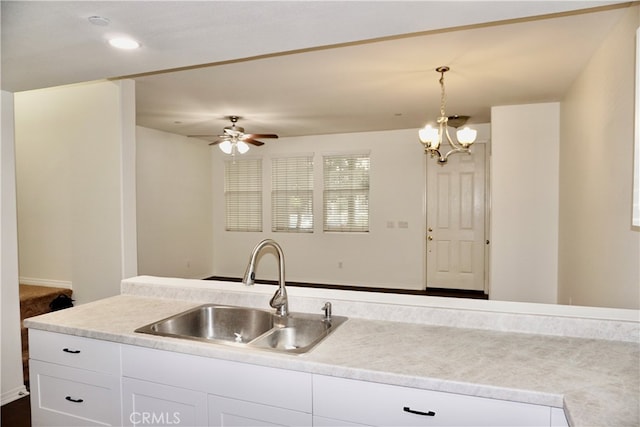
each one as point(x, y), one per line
point(487, 216)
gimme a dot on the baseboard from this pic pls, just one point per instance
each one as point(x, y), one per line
point(45, 282)
point(15, 394)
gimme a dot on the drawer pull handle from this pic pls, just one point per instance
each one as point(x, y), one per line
point(71, 399)
point(66, 350)
point(412, 411)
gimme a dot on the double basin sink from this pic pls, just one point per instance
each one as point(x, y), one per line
point(247, 327)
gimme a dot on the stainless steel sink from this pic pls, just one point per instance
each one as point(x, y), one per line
point(248, 327)
point(214, 322)
point(298, 332)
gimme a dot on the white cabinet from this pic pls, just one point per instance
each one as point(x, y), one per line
point(330, 422)
point(376, 404)
point(82, 382)
point(558, 418)
point(194, 390)
point(147, 403)
point(74, 381)
point(224, 412)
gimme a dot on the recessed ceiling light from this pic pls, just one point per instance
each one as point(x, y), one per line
point(124, 43)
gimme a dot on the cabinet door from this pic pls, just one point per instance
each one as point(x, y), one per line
point(558, 418)
point(64, 396)
point(330, 422)
point(147, 403)
point(226, 412)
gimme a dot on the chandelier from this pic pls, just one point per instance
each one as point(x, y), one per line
point(432, 138)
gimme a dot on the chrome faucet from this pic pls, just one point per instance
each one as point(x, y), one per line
point(279, 301)
point(327, 311)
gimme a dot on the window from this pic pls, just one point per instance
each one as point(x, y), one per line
point(243, 194)
point(346, 192)
point(292, 194)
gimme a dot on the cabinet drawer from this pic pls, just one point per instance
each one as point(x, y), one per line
point(67, 396)
point(385, 405)
point(77, 352)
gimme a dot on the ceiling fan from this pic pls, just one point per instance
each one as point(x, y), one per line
point(234, 140)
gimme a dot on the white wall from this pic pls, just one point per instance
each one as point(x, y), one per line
point(524, 202)
point(599, 250)
point(70, 165)
point(390, 257)
point(173, 205)
point(11, 356)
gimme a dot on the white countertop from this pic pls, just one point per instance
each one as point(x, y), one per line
point(596, 381)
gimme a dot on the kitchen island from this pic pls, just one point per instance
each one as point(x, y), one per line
point(595, 381)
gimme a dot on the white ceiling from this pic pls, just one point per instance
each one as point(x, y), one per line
point(307, 67)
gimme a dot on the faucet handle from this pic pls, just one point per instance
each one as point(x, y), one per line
point(280, 302)
point(327, 310)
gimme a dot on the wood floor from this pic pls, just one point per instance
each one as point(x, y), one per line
point(438, 292)
point(16, 413)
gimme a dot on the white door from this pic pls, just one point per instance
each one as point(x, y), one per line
point(456, 221)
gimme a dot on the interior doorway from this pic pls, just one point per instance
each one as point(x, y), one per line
point(456, 221)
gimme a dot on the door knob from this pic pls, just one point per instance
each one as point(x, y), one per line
point(429, 238)
point(430, 229)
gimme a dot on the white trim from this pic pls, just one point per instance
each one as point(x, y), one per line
point(45, 282)
point(10, 354)
point(14, 394)
point(128, 226)
point(635, 215)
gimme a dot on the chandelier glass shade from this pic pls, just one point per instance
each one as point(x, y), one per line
point(433, 137)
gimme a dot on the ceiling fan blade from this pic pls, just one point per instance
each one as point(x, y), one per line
point(253, 141)
point(217, 142)
point(222, 137)
point(259, 135)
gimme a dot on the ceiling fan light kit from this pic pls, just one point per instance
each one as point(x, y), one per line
point(234, 141)
point(432, 137)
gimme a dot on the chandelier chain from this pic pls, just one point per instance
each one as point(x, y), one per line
point(443, 97)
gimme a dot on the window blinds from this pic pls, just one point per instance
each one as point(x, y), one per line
point(243, 194)
point(346, 192)
point(292, 194)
